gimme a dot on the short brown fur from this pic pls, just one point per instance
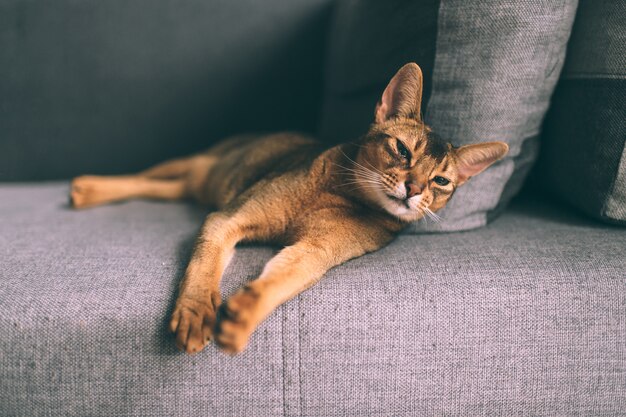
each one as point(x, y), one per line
point(325, 206)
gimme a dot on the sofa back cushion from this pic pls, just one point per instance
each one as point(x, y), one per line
point(114, 86)
point(583, 156)
point(489, 67)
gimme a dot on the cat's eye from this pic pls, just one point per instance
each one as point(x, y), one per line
point(403, 151)
point(441, 180)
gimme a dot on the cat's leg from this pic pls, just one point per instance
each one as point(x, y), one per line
point(90, 191)
point(171, 180)
point(290, 272)
point(193, 319)
point(175, 168)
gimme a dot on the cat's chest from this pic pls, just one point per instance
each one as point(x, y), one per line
point(321, 207)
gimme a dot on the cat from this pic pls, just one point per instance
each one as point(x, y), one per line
point(324, 205)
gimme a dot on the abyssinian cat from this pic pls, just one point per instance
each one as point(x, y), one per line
point(325, 206)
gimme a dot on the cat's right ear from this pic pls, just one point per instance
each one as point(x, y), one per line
point(403, 95)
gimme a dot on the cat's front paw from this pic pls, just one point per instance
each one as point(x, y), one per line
point(193, 321)
point(237, 320)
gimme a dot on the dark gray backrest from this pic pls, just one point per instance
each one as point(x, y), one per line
point(583, 154)
point(113, 86)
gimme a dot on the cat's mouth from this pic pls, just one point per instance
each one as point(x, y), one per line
point(400, 201)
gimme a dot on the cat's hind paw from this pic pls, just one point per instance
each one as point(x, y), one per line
point(82, 191)
point(89, 191)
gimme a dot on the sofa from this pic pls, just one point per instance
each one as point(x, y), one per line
point(521, 315)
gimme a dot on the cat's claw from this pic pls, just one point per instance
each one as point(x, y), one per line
point(192, 322)
point(236, 321)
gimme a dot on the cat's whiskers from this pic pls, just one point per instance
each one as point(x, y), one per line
point(363, 173)
point(361, 187)
point(369, 175)
point(364, 182)
point(430, 214)
point(422, 213)
point(376, 171)
point(361, 178)
point(358, 145)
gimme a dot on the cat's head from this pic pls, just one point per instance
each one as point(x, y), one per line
point(402, 166)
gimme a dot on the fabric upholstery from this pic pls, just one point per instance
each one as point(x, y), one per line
point(490, 69)
point(584, 155)
point(523, 317)
point(115, 86)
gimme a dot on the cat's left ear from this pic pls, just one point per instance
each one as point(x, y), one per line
point(473, 159)
point(403, 95)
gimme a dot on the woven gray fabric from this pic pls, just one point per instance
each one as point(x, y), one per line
point(524, 317)
point(616, 202)
point(85, 297)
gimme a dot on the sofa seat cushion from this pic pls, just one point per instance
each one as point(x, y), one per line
point(525, 316)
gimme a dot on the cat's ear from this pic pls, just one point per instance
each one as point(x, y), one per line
point(474, 159)
point(403, 95)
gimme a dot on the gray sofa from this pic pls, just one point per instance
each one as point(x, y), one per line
point(526, 316)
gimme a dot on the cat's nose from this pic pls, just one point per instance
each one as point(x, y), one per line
point(413, 189)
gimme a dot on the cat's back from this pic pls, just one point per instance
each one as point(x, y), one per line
point(267, 153)
point(242, 161)
point(272, 143)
